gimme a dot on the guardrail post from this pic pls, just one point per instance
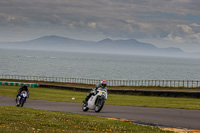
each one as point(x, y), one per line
point(192, 83)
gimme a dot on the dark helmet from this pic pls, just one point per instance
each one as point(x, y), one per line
point(25, 85)
point(104, 83)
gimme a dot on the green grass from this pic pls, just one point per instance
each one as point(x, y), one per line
point(24, 120)
point(113, 99)
point(152, 101)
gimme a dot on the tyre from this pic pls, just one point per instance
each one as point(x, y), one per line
point(22, 102)
point(84, 107)
point(99, 105)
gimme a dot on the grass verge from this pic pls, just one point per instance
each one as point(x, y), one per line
point(113, 99)
point(24, 120)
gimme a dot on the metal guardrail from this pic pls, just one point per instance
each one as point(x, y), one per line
point(158, 83)
point(18, 84)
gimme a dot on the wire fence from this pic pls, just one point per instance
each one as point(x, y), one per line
point(158, 83)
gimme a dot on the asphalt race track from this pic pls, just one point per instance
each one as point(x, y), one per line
point(178, 118)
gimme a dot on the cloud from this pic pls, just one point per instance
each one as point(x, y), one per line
point(185, 34)
point(173, 38)
point(169, 19)
point(184, 30)
point(196, 25)
point(92, 24)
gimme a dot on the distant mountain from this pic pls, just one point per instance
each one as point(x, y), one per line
point(107, 45)
point(124, 44)
point(49, 40)
point(107, 40)
point(133, 46)
point(49, 43)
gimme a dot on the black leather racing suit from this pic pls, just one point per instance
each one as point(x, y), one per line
point(23, 88)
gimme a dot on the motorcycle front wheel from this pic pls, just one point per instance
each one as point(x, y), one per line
point(22, 102)
point(99, 105)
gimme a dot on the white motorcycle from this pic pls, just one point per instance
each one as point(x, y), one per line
point(97, 101)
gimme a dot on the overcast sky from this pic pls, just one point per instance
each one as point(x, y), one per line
point(160, 22)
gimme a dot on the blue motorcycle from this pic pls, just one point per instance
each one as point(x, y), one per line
point(21, 99)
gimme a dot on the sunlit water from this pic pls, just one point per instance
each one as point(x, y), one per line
point(97, 66)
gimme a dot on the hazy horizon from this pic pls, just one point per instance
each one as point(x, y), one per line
point(109, 46)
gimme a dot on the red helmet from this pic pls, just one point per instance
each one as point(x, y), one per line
point(104, 83)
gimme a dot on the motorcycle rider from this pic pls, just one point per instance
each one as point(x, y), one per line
point(23, 88)
point(102, 85)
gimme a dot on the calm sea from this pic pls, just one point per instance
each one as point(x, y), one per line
point(97, 66)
